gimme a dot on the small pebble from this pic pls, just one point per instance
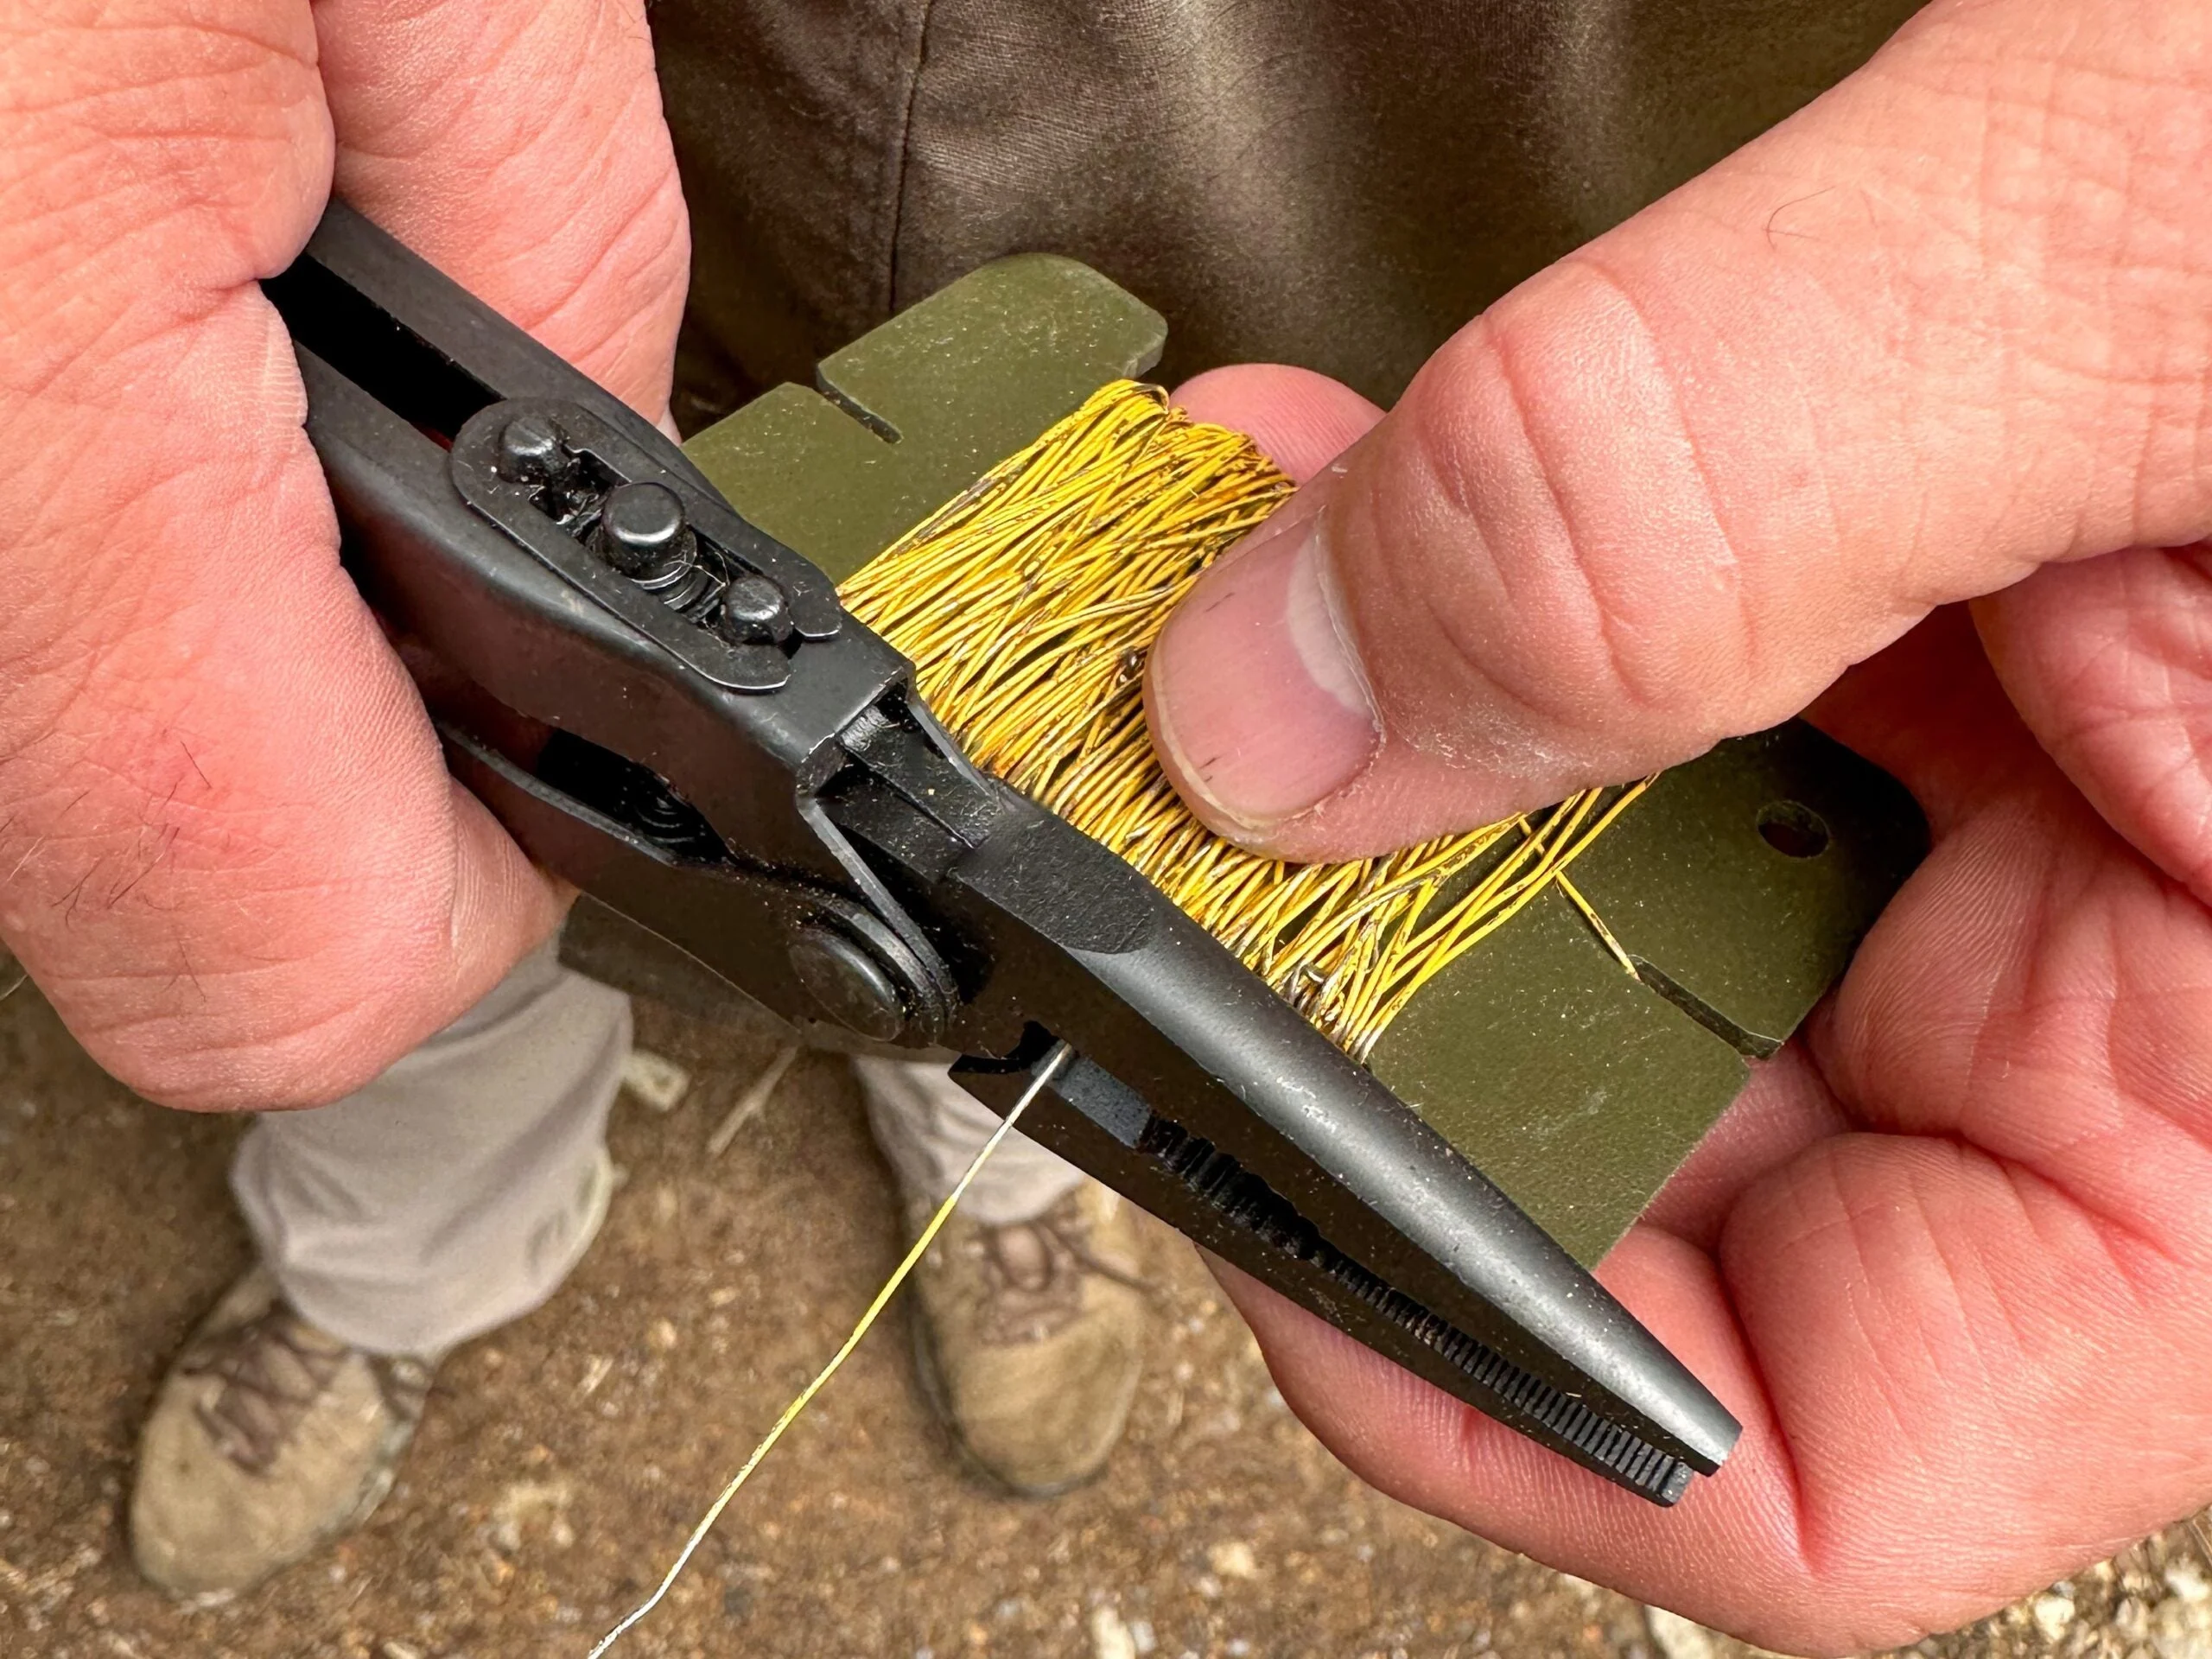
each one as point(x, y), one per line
point(2182, 1629)
point(1678, 1637)
point(1109, 1637)
point(655, 1080)
point(1233, 1560)
point(2053, 1614)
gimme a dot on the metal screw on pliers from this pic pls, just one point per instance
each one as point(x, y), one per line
point(753, 612)
point(849, 982)
point(532, 450)
point(641, 530)
point(642, 534)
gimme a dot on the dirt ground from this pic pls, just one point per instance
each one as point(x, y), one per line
point(565, 1458)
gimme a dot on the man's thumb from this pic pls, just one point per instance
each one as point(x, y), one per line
point(1944, 325)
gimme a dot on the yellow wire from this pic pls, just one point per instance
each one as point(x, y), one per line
point(1028, 605)
point(1044, 1075)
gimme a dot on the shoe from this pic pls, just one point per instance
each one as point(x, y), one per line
point(1029, 1337)
point(268, 1438)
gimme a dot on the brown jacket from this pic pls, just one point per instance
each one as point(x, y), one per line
point(1337, 183)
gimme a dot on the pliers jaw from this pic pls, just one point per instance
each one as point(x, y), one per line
point(1205, 1099)
point(668, 708)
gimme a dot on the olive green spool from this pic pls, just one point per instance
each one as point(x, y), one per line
point(1739, 885)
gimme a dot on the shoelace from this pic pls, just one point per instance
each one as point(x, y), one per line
point(1030, 1299)
point(273, 1369)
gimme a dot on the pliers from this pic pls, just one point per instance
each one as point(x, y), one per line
point(671, 710)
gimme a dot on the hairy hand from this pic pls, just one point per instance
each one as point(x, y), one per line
point(1944, 337)
point(231, 855)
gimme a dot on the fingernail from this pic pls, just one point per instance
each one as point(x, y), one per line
point(1256, 694)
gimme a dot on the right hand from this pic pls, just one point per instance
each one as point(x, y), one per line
point(1939, 337)
point(232, 857)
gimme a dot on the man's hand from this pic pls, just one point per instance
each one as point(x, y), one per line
point(232, 856)
point(1945, 336)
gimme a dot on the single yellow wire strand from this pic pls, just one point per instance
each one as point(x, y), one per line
point(1045, 1074)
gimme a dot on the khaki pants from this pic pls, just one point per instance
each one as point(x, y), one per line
point(455, 1191)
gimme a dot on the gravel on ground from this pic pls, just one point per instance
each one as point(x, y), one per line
point(563, 1459)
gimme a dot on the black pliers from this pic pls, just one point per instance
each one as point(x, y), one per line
point(671, 710)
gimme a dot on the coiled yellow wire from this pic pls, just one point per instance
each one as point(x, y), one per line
point(1028, 606)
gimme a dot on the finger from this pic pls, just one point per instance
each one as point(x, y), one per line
point(1950, 1324)
point(1302, 421)
point(521, 151)
point(1730, 1554)
point(1786, 1108)
point(2110, 663)
point(1941, 327)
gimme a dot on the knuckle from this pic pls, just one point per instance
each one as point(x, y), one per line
point(1553, 547)
point(132, 129)
point(218, 932)
point(212, 1016)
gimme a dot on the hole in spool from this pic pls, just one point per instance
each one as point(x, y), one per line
point(1793, 830)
